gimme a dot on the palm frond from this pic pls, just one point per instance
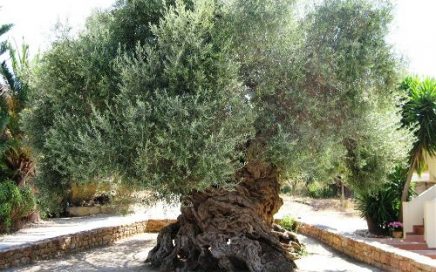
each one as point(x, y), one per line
point(5, 28)
point(419, 115)
point(4, 45)
point(7, 76)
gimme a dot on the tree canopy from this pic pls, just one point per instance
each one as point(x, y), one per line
point(177, 96)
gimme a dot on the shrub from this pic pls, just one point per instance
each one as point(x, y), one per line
point(286, 189)
point(15, 204)
point(321, 190)
point(289, 223)
point(382, 205)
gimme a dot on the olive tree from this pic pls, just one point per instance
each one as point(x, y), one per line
point(214, 103)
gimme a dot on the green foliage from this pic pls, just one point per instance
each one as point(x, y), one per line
point(355, 70)
point(73, 78)
point(382, 205)
point(173, 122)
point(4, 44)
point(15, 160)
point(289, 223)
point(169, 96)
point(15, 203)
point(419, 115)
point(318, 189)
point(374, 152)
point(16, 166)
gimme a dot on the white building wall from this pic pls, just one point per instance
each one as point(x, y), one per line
point(413, 211)
point(430, 223)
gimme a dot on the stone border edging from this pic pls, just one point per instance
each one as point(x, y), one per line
point(60, 245)
point(374, 253)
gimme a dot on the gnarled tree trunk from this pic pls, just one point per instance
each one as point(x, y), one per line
point(221, 230)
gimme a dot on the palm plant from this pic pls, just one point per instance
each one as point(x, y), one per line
point(3, 48)
point(16, 199)
point(15, 161)
point(3, 45)
point(382, 204)
point(419, 115)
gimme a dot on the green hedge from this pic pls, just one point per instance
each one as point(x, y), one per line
point(15, 204)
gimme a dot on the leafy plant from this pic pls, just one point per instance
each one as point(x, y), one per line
point(15, 204)
point(382, 205)
point(15, 156)
point(419, 116)
point(289, 223)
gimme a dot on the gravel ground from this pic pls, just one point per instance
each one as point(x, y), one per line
point(129, 254)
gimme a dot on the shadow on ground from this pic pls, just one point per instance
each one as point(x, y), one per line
point(126, 255)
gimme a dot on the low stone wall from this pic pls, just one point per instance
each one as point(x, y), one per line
point(58, 246)
point(373, 253)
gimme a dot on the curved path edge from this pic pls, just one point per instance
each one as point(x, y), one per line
point(374, 253)
point(60, 245)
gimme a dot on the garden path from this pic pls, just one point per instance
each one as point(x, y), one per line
point(62, 226)
point(128, 255)
point(343, 222)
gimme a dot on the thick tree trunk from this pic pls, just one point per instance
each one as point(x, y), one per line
point(221, 230)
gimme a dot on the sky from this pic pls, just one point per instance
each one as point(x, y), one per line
point(413, 32)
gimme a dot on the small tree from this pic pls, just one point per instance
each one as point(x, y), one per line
point(213, 102)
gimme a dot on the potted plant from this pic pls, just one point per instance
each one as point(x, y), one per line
point(396, 229)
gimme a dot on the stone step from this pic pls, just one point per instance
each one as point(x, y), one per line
point(418, 229)
point(411, 243)
point(411, 246)
point(412, 237)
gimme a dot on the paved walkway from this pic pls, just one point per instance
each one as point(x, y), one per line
point(128, 255)
point(334, 220)
point(321, 258)
point(340, 222)
point(62, 226)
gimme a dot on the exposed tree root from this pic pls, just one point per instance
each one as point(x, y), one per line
point(220, 230)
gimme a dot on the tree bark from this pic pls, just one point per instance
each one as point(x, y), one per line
point(405, 193)
point(229, 230)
